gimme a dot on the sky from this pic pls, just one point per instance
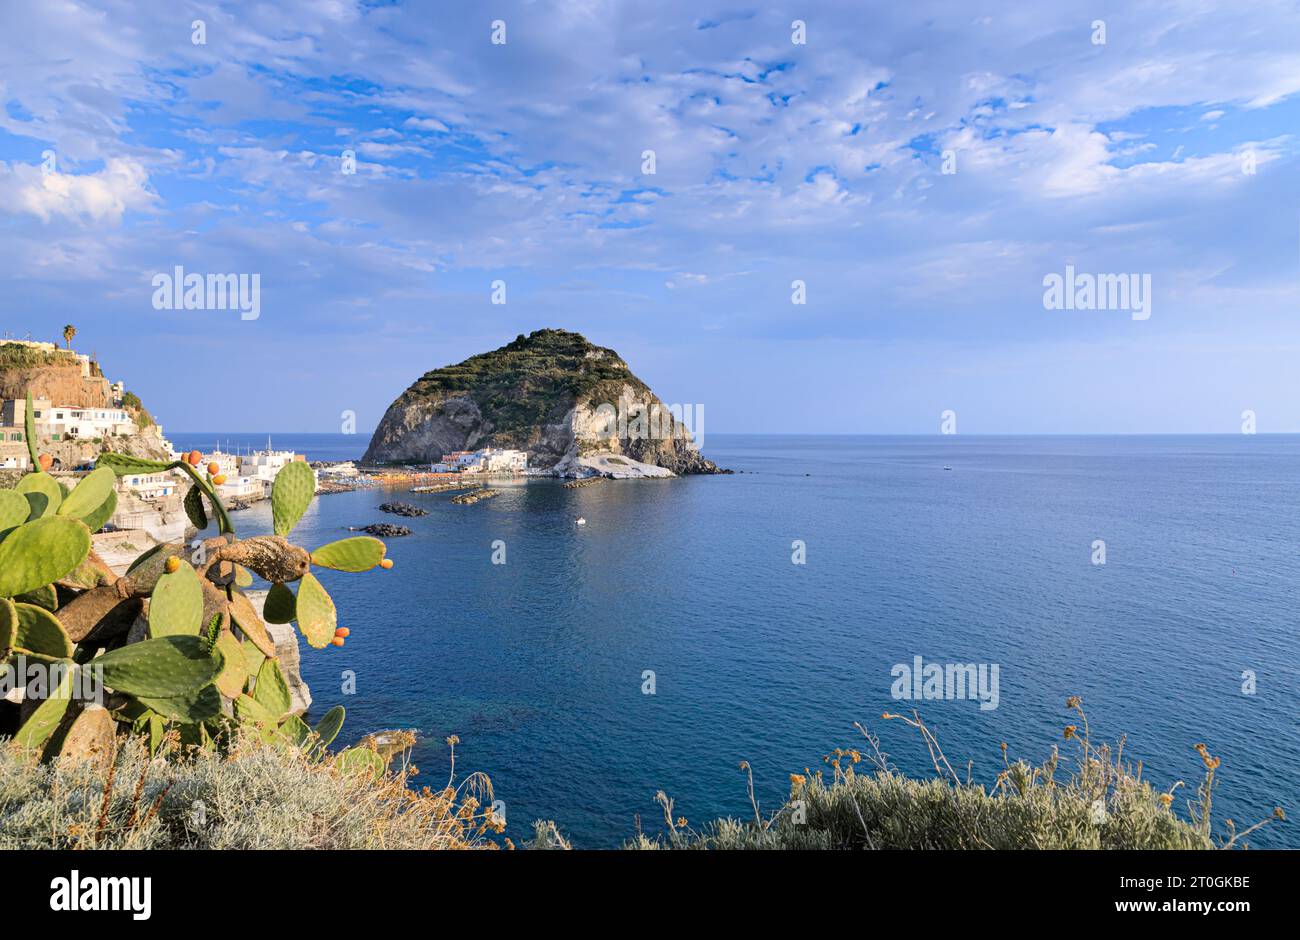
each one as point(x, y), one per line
point(921, 168)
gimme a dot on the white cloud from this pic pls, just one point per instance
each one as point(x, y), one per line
point(426, 124)
point(103, 196)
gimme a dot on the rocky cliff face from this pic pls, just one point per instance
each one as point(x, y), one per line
point(58, 376)
point(54, 375)
point(567, 402)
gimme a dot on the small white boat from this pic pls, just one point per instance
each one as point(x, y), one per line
point(581, 521)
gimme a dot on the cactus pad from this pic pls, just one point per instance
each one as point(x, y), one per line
point(42, 492)
point(36, 553)
point(330, 725)
point(88, 496)
point(39, 631)
point(291, 494)
point(271, 691)
point(247, 709)
point(245, 617)
point(253, 657)
point(29, 431)
point(14, 510)
point(361, 760)
point(355, 554)
point(161, 668)
point(176, 606)
point(280, 606)
point(8, 626)
point(45, 596)
point(96, 518)
point(37, 729)
point(93, 736)
point(122, 464)
point(199, 704)
point(194, 507)
point(315, 612)
point(234, 675)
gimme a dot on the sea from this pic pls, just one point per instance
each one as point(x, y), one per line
point(691, 624)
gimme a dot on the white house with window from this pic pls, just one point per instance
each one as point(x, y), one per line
point(149, 485)
point(487, 460)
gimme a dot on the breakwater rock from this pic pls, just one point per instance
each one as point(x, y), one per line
point(403, 509)
point(386, 530)
point(465, 499)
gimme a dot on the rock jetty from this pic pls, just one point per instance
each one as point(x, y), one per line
point(444, 487)
point(403, 509)
point(386, 530)
point(465, 499)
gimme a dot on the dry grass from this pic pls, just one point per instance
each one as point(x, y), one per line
point(1096, 800)
point(256, 797)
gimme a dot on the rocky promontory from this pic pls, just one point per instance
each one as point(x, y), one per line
point(575, 407)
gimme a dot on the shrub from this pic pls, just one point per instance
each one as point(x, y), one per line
point(254, 796)
point(1102, 803)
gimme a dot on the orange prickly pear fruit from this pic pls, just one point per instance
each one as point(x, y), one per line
point(214, 468)
point(343, 632)
point(337, 641)
point(386, 563)
point(219, 479)
point(193, 458)
point(46, 461)
point(172, 565)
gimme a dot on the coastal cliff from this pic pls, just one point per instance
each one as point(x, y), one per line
point(64, 378)
point(574, 406)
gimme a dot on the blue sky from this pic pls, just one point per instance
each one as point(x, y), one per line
point(775, 162)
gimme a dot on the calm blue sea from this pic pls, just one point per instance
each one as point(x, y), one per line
point(538, 664)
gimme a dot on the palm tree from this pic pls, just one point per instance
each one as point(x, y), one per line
point(69, 331)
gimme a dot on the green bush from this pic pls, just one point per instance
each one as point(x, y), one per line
point(1102, 803)
point(255, 796)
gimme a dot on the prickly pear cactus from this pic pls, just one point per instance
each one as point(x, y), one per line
point(207, 664)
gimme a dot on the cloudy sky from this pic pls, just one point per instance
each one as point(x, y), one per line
point(1169, 149)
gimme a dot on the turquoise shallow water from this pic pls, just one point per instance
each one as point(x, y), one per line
point(537, 664)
